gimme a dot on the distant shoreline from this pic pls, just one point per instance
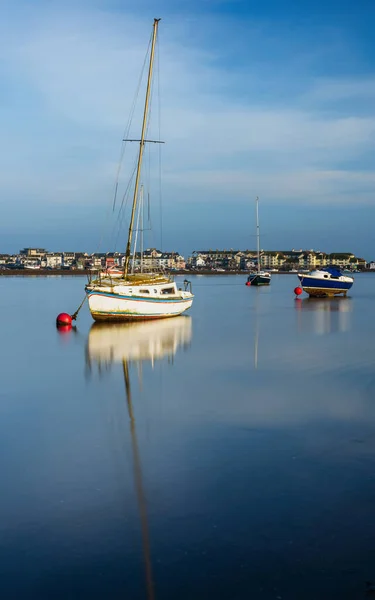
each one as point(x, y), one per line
point(81, 273)
point(41, 272)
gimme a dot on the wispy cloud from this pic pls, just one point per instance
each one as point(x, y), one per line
point(273, 120)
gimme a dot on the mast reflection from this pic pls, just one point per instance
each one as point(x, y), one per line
point(130, 343)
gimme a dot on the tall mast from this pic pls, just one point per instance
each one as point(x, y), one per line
point(141, 211)
point(141, 146)
point(136, 231)
point(258, 246)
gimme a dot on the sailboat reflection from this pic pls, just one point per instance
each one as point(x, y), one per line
point(136, 342)
point(324, 316)
point(129, 343)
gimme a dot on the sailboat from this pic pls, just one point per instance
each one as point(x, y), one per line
point(258, 277)
point(138, 296)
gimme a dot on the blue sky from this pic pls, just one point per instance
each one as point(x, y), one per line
point(274, 99)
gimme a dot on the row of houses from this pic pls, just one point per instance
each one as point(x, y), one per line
point(285, 259)
point(151, 258)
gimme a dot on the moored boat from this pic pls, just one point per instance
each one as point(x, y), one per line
point(258, 277)
point(126, 295)
point(136, 297)
point(328, 281)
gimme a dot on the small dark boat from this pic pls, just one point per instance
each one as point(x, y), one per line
point(258, 277)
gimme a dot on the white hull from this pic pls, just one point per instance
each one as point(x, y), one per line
point(122, 308)
point(137, 302)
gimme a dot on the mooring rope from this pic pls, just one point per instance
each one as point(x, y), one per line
point(75, 314)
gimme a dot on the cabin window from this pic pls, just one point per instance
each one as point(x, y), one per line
point(168, 290)
point(144, 291)
point(155, 291)
point(326, 276)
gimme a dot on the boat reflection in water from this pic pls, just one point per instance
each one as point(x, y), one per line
point(322, 315)
point(130, 343)
point(135, 342)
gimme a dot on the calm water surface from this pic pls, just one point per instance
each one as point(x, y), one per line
point(228, 454)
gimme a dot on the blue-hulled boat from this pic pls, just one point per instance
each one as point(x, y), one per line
point(328, 281)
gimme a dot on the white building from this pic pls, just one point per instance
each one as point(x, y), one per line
point(68, 258)
point(54, 260)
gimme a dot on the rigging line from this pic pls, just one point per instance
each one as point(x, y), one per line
point(121, 213)
point(124, 203)
point(123, 147)
point(141, 257)
point(159, 128)
point(129, 123)
point(148, 174)
point(148, 171)
point(137, 229)
point(117, 225)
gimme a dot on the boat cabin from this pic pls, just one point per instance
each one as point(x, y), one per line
point(169, 289)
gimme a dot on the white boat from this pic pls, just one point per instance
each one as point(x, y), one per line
point(138, 296)
point(258, 277)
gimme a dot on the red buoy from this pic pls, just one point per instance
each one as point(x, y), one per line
point(63, 319)
point(248, 283)
point(298, 291)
